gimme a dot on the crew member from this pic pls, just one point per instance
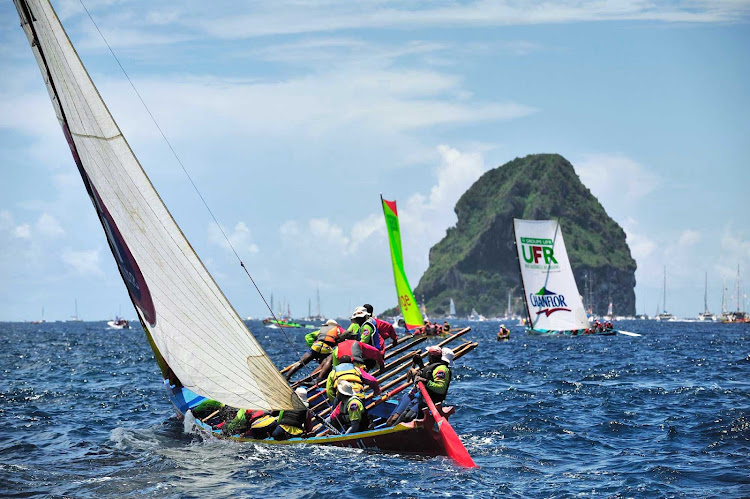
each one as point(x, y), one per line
point(503, 333)
point(436, 377)
point(446, 327)
point(367, 328)
point(294, 423)
point(350, 413)
point(361, 355)
point(346, 371)
point(385, 329)
point(329, 335)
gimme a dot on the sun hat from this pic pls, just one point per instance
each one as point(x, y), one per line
point(331, 322)
point(301, 392)
point(345, 388)
point(448, 356)
point(359, 312)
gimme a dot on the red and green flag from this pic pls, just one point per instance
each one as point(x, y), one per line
point(406, 301)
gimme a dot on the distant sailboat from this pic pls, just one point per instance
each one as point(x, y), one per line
point(739, 315)
point(75, 317)
point(706, 315)
point(451, 310)
point(553, 304)
point(664, 315)
point(40, 321)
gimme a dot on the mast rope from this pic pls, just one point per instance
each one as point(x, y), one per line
point(174, 153)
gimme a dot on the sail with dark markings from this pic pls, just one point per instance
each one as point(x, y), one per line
point(197, 336)
point(550, 290)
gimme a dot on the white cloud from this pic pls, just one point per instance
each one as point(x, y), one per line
point(689, 237)
point(22, 231)
point(296, 17)
point(616, 175)
point(424, 218)
point(641, 246)
point(239, 237)
point(289, 228)
point(84, 262)
point(735, 250)
point(49, 226)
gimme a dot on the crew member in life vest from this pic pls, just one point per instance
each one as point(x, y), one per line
point(362, 355)
point(328, 337)
point(350, 414)
point(436, 376)
point(346, 371)
point(242, 424)
point(446, 327)
point(385, 329)
point(367, 328)
point(294, 423)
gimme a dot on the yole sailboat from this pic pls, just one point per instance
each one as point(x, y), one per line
point(406, 301)
point(553, 305)
point(202, 346)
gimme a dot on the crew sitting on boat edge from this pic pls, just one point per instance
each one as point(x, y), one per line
point(436, 377)
point(329, 335)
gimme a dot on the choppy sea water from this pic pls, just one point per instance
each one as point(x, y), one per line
point(83, 414)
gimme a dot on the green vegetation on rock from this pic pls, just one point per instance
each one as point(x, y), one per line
point(476, 265)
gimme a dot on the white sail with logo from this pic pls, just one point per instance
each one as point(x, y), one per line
point(550, 290)
point(197, 336)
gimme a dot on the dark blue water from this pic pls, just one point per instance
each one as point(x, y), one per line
point(83, 414)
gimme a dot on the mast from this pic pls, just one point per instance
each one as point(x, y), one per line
point(705, 296)
point(738, 288)
point(318, 302)
point(664, 308)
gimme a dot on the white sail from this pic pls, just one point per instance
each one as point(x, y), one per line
point(452, 308)
point(190, 323)
point(550, 289)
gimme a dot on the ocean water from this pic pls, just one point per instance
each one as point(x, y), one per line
point(83, 414)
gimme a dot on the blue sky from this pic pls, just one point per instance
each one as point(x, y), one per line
point(293, 116)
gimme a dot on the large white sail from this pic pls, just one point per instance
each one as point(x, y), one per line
point(194, 330)
point(550, 289)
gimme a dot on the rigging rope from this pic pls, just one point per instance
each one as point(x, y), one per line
point(174, 153)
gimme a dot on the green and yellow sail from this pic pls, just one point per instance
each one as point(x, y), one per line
point(406, 301)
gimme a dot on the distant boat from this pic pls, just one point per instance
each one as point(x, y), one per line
point(553, 304)
point(75, 317)
point(706, 315)
point(664, 315)
point(451, 310)
point(40, 321)
point(119, 323)
point(739, 315)
point(475, 316)
point(270, 322)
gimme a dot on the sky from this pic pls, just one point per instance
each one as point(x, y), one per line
point(292, 117)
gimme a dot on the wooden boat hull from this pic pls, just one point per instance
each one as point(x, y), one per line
point(418, 437)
